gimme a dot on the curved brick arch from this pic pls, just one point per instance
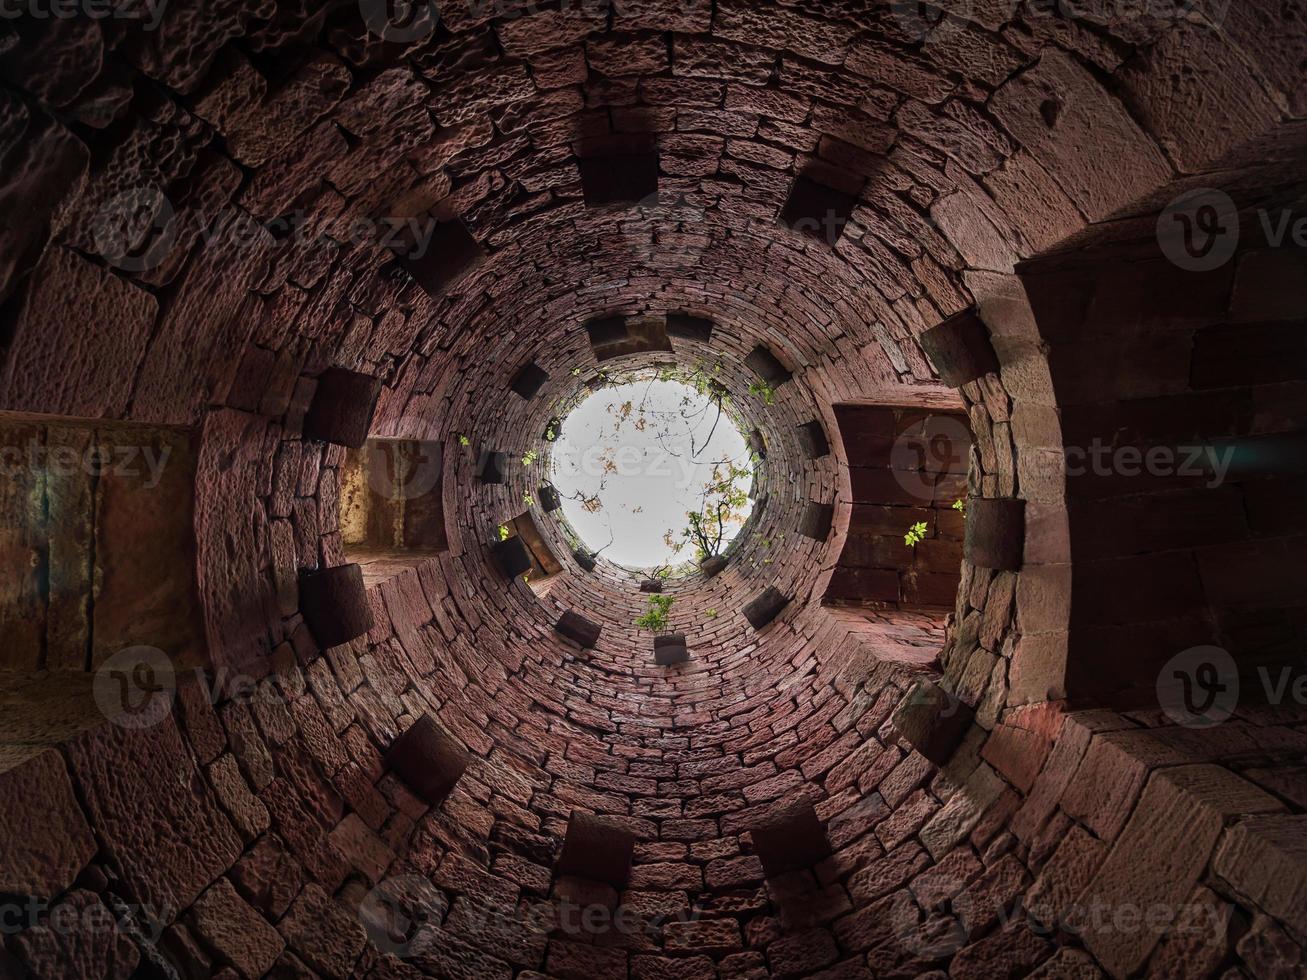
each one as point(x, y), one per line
point(941, 793)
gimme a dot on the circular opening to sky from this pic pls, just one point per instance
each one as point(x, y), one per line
point(652, 471)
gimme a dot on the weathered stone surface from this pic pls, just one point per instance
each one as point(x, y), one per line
point(81, 940)
point(1262, 858)
point(44, 838)
point(150, 835)
point(1160, 855)
point(235, 932)
point(80, 335)
point(323, 934)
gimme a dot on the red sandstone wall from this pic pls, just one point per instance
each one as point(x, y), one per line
point(257, 829)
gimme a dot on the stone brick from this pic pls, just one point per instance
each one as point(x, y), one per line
point(44, 837)
point(670, 650)
point(335, 604)
point(578, 629)
point(428, 759)
point(960, 349)
point(1162, 852)
point(150, 835)
point(812, 437)
point(342, 408)
point(235, 933)
point(932, 721)
point(763, 609)
point(322, 934)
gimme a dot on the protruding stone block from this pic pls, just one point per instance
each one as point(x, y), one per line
point(584, 559)
point(758, 443)
point(342, 408)
point(598, 849)
point(45, 840)
point(960, 349)
point(765, 365)
point(816, 521)
point(682, 326)
point(713, 566)
point(429, 760)
point(493, 467)
point(651, 585)
point(335, 604)
point(550, 501)
point(625, 179)
point(512, 556)
point(450, 251)
point(578, 629)
point(812, 437)
point(789, 838)
point(670, 649)
point(762, 610)
point(528, 381)
point(817, 211)
point(996, 533)
point(933, 721)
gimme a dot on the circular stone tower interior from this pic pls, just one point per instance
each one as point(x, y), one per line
point(305, 676)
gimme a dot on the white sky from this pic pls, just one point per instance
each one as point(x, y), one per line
point(656, 482)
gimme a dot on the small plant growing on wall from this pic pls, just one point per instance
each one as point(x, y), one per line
point(655, 619)
point(916, 534)
point(960, 506)
point(764, 392)
point(503, 532)
point(530, 457)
